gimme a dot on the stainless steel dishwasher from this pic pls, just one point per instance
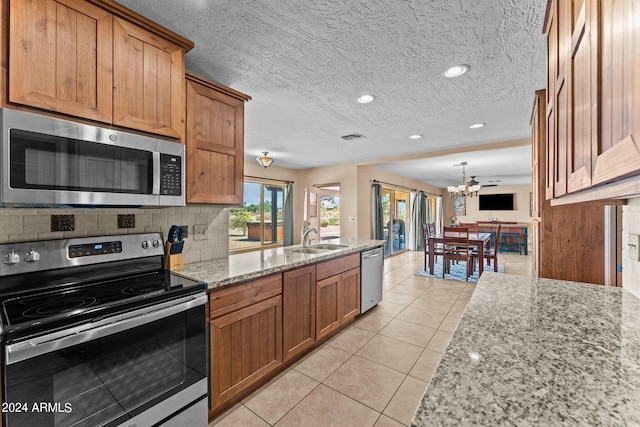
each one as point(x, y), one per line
point(371, 265)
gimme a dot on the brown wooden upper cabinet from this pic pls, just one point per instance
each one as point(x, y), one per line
point(215, 142)
point(593, 100)
point(97, 60)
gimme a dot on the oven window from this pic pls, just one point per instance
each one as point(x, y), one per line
point(48, 162)
point(109, 380)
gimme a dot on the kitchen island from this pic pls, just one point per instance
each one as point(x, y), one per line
point(534, 351)
point(267, 308)
point(250, 265)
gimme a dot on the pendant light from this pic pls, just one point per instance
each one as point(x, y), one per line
point(264, 160)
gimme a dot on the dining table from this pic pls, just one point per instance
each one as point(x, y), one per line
point(481, 241)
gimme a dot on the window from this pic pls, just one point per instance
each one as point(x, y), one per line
point(259, 222)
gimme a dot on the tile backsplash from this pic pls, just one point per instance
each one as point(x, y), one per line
point(630, 268)
point(21, 225)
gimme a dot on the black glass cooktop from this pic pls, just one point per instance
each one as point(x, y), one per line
point(40, 311)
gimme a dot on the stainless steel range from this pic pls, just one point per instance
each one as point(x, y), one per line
point(96, 333)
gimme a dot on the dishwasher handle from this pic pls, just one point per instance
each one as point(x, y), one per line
point(373, 253)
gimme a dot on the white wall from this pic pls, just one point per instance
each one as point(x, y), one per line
point(630, 268)
point(521, 203)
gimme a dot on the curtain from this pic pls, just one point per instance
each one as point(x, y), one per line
point(434, 212)
point(288, 215)
point(418, 217)
point(376, 210)
point(439, 215)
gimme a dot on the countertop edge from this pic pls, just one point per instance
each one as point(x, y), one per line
point(219, 273)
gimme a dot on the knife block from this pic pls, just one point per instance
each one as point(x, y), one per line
point(173, 262)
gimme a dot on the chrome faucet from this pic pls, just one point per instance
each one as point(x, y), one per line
point(305, 232)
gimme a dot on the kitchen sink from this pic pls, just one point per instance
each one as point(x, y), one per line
point(317, 249)
point(308, 250)
point(328, 246)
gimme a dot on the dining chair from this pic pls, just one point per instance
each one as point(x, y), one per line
point(429, 230)
point(472, 226)
point(490, 253)
point(456, 248)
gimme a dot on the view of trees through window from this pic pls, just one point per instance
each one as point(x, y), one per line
point(329, 216)
point(259, 221)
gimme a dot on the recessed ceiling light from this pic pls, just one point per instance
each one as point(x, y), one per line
point(456, 70)
point(416, 136)
point(365, 99)
point(477, 125)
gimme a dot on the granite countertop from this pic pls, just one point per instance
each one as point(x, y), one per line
point(249, 265)
point(533, 352)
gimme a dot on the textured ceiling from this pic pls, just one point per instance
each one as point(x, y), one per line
point(305, 63)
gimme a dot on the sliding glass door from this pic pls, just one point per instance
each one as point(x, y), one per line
point(395, 214)
point(259, 222)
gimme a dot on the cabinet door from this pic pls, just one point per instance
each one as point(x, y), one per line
point(246, 345)
point(148, 77)
point(349, 295)
point(215, 146)
point(561, 137)
point(327, 316)
point(60, 57)
point(299, 298)
point(552, 77)
point(617, 150)
point(582, 96)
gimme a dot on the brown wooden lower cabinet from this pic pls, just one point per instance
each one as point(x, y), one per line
point(327, 317)
point(299, 296)
point(246, 345)
point(258, 325)
point(349, 296)
point(337, 301)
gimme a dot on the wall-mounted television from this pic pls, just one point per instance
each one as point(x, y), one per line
point(496, 202)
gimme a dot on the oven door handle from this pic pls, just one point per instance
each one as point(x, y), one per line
point(87, 332)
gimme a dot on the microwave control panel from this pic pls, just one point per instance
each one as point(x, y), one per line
point(171, 175)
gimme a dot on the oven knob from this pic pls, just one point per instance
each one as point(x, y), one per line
point(156, 243)
point(32, 256)
point(145, 244)
point(11, 258)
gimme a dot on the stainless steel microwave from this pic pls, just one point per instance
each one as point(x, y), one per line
point(50, 161)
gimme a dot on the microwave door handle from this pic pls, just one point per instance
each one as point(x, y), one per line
point(157, 173)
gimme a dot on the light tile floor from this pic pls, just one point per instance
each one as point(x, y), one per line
point(375, 371)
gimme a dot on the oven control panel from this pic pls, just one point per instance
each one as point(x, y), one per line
point(28, 257)
point(91, 249)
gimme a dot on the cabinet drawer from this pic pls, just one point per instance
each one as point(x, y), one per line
point(337, 266)
point(234, 298)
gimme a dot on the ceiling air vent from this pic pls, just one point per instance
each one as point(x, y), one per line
point(353, 136)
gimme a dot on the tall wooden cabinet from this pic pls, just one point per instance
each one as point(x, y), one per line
point(593, 100)
point(568, 240)
point(96, 60)
point(215, 142)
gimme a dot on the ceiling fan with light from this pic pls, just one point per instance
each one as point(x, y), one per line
point(470, 188)
point(473, 182)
